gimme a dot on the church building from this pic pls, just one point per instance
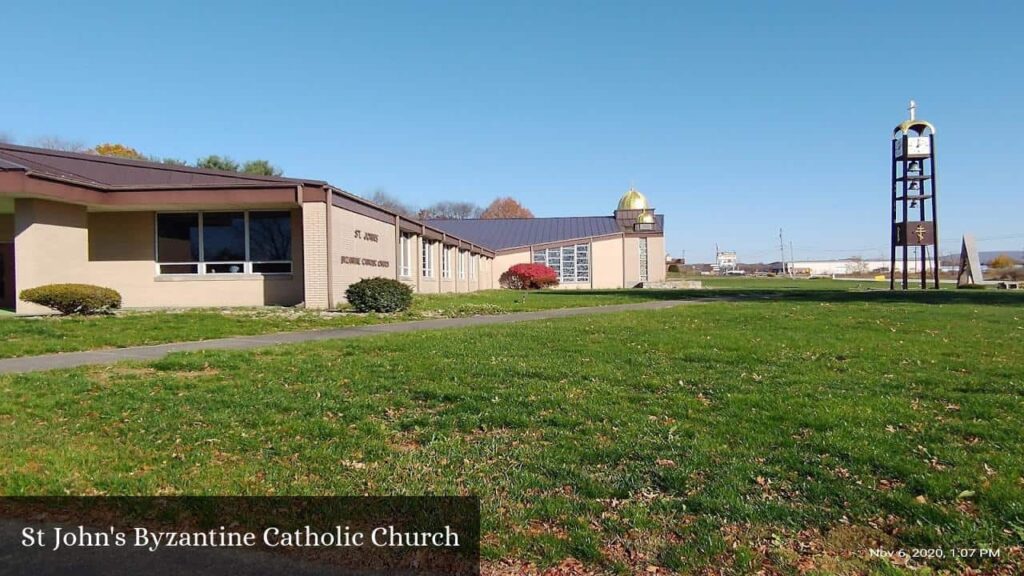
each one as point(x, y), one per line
point(173, 236)
point(623, 250)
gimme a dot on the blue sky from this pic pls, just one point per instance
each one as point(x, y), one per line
point(735, 119)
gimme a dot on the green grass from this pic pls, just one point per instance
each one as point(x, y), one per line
point(21, 336)
point(792, 434)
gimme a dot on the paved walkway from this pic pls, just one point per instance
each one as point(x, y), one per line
point(155, 352)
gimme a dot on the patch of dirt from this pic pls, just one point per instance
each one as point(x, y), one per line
point(106, 374)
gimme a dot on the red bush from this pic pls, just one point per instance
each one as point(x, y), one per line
point(528, 277)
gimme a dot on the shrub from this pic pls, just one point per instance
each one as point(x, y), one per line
point(1002, 261)
point(73, 298)
point(673, 268)
point(528, 277)
point(379, 295)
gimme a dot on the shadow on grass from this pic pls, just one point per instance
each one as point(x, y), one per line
point(983, 297)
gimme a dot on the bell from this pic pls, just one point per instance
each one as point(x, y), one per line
point(913, 203)
point(914, 167)
point(915, 186)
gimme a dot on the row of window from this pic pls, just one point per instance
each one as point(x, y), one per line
point(572, 263)
point(643, 260)
point(224, 242)
point(464, 260)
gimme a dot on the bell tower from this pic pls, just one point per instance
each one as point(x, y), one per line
point(913, 215)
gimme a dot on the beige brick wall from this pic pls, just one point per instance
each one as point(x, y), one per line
point(51, 246)
point(361, 247)
point(656, 258)
point(314, 254)
point(606, 263)
point(503, 262)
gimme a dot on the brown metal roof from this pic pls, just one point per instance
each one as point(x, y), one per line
point(107, 178)
point(508, 233)
point(119, 173)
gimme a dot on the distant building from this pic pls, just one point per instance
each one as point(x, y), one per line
point(850, 266)
point(725, 261)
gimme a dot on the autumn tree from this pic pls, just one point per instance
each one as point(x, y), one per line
point(261, 168)
point(1002, 261)
point(117, 151)
point(216, 162)
point(450, 211)
point(505, 208)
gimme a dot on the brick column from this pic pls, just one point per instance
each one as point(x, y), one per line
point(314, 254)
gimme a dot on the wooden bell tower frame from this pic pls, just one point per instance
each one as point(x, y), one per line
point(914, 217)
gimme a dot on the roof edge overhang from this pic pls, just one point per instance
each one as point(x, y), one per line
point(46, 187)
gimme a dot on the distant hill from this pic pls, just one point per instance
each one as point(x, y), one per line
point(987, 256)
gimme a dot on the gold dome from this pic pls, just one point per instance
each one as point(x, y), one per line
point(645, 217)
point(633, 200)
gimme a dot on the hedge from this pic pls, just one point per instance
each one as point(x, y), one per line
point(379, 295)
point(528, 277)
point(73, 298)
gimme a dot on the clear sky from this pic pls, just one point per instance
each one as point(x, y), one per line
point(735, 119)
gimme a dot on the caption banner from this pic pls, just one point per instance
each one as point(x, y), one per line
point(414, 536)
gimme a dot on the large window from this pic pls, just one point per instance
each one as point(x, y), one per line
point(473, 263)
point(571, 263)
point(224, 243)
point(428, 259)
point(446, 262)
point(643, 260)
point(462, 265)
point(270, 242)
point(405, 255)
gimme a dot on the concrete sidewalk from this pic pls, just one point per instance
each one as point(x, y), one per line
point(155, 352)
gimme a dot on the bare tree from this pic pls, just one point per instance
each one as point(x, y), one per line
point(58, 143)
point(451, 211)
point(389, 202)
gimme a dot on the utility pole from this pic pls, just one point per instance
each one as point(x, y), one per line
point(782, 252)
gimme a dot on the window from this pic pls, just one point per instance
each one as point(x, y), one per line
point(270, 242)
point(571, 263)
point(472, 266)
point(224, 243)
point(446, 262)
point(428, 259)
point(643, 260)
point(405, 264)
point(177, 243)
point(462, 265)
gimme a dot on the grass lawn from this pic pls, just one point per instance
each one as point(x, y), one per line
point(788, 435)
point(20, 336)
